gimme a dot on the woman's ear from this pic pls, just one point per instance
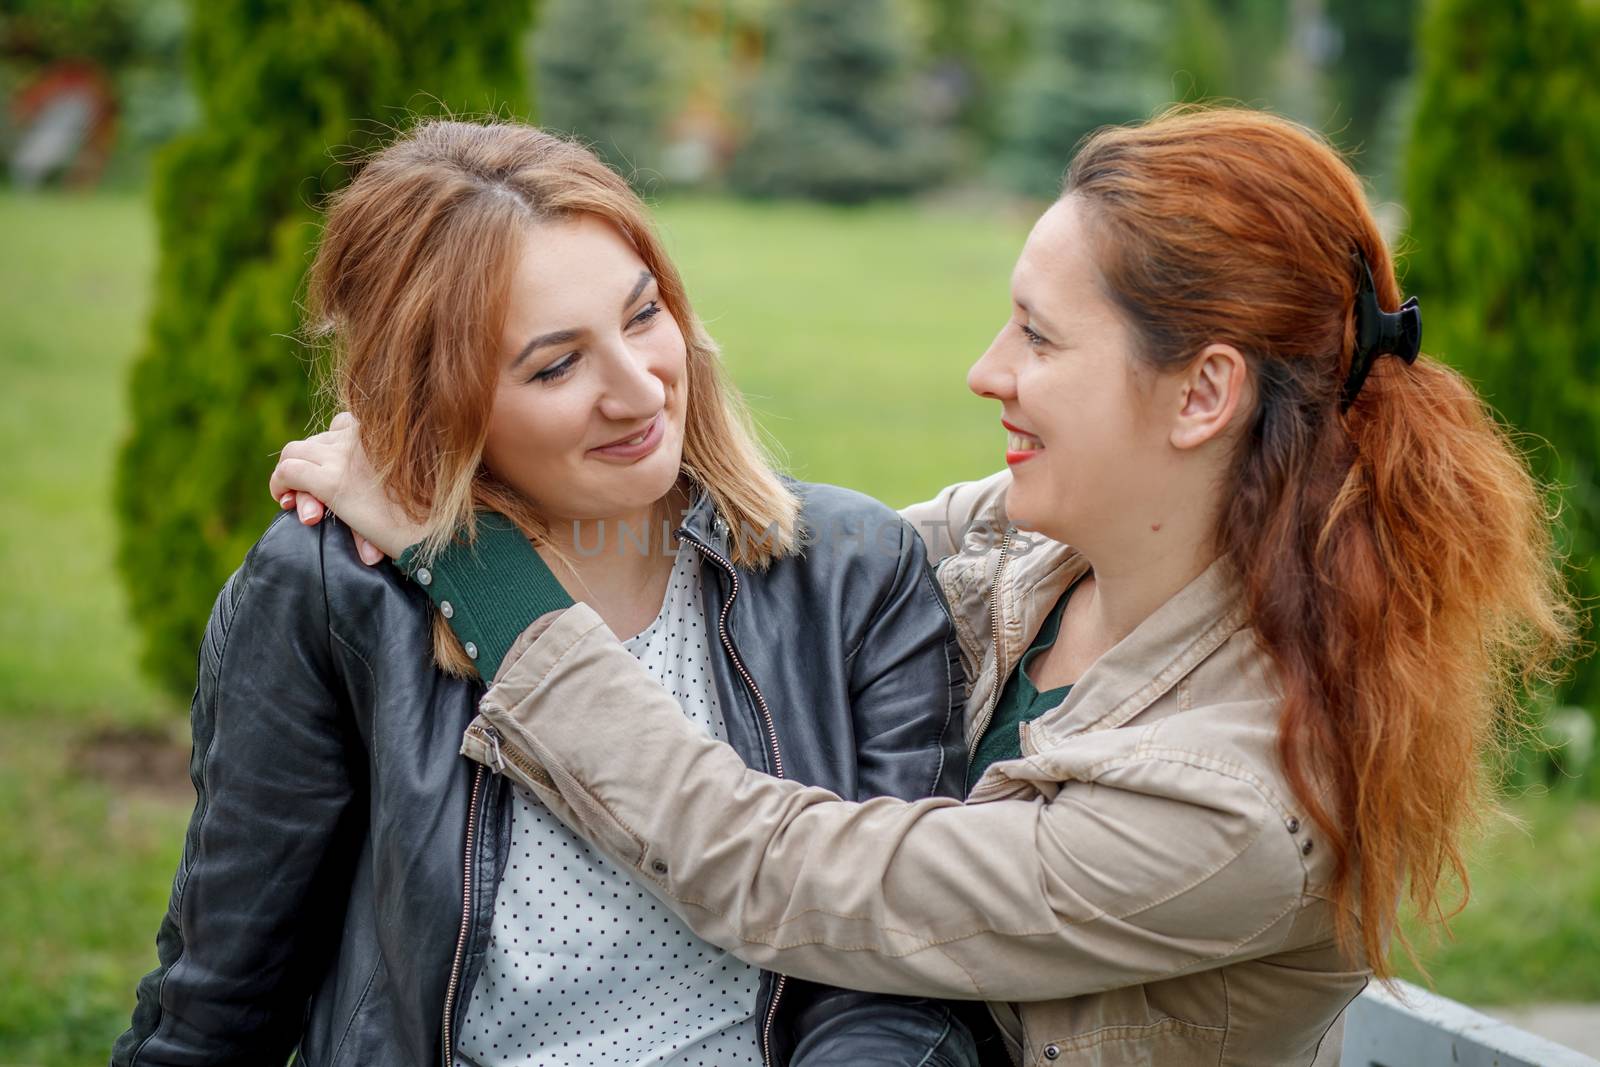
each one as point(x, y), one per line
point(1216, 390)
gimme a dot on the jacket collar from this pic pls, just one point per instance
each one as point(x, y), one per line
point(703, 523)
point(1146, 664)
point(1139, 669)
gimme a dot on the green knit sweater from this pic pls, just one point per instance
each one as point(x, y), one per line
point(490, 590)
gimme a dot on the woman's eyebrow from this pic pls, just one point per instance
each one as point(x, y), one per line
point(545, 340)
point(561, 337)
point(645, 278)
point(1033, 314)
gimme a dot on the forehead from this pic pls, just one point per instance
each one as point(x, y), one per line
point(570, 268)
point(1055, 265)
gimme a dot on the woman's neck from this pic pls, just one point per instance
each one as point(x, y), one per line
point(618, 565)
point(1138, 569)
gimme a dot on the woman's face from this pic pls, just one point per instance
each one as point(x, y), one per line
point(1089, 451)
point(588, 415)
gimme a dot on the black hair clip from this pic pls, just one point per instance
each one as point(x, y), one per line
point(1379, 332)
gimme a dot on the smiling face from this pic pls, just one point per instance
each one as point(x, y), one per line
point(1089, 442)
point(588, 415)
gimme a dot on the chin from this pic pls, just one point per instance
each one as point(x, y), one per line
point(1029, 516)
point(647, 481)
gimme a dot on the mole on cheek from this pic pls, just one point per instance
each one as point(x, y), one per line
point(1155, 527)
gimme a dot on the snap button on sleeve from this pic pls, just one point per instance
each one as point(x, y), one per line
point(471, 650)
point(424, 576)
point(449, 612)
point(1052, 1052)
point(1293, 824)
point(658, 866)
point(1305, 849)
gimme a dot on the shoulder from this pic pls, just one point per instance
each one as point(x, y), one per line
point(842, 529)
point(821, 504)
point(314, 572)
point(856, 558)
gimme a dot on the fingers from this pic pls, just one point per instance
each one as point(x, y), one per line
point(370, 553)
point(309, 509)
point(304, 476)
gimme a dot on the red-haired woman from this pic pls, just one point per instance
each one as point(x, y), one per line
point(1268, 579)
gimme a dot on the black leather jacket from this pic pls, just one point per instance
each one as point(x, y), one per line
point(319, 905)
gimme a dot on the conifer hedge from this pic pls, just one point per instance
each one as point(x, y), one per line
point(290, 92)
point(602, 77)
point(837, 116)
point(1089, 65)
point(1503, 192)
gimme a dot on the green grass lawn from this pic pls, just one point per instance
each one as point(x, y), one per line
point(850, 330)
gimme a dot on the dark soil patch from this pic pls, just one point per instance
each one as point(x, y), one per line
point(135, 761)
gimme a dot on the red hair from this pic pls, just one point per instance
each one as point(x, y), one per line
point(1396, 560)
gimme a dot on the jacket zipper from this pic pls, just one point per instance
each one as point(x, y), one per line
point(772, 741)
point(988, 714)
point(994, 630)
point(447, 1048)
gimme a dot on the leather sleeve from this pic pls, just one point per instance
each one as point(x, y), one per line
point(263, 879)
point(871, 1030)
point(906, 700)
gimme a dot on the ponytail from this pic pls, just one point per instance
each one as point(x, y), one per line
point(1396, 557)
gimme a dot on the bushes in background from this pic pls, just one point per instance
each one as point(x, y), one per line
point(837, 116)
point(1503, 191)
point(288, 88)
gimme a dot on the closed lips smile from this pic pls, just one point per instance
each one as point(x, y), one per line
point(635, 445)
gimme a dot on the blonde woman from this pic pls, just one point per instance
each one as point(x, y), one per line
point(512, 338)
point(1269, 576)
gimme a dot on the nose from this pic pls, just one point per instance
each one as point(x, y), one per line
point(633, 389)
point(992, 376)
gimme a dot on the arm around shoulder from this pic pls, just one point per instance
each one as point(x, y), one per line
point(1155, 868)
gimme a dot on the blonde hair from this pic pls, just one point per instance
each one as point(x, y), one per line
point(409, 289)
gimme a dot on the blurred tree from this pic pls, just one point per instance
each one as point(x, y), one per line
point(1375, 55)
point(1503, 186)
point(973, 46)
point(102, 31)
point(220, 383)
point(1201, 53)
point(1090, 64)
point(601, 76)
point(835, 116)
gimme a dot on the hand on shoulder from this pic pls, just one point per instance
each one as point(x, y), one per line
point(330, 471)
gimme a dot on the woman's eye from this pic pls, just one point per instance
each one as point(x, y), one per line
point(556, 371)
point(646, 313)
point(1031, 334)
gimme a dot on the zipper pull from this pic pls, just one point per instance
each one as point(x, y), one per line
point(497, 761)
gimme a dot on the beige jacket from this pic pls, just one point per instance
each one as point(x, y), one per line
point(1138, 888)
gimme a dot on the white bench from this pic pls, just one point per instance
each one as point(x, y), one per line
point(1422, 1029)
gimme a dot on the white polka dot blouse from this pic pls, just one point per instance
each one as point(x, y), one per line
point(584, 967)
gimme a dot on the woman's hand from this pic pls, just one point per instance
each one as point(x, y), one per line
point(331, 471)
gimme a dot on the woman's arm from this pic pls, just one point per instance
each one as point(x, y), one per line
point(263, 879)
point(906, 695)
point(1135, 875)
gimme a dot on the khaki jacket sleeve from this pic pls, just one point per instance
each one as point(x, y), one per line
point(941, 521)
point(1106, 884)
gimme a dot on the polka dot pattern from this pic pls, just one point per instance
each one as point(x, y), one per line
point(584, 967)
